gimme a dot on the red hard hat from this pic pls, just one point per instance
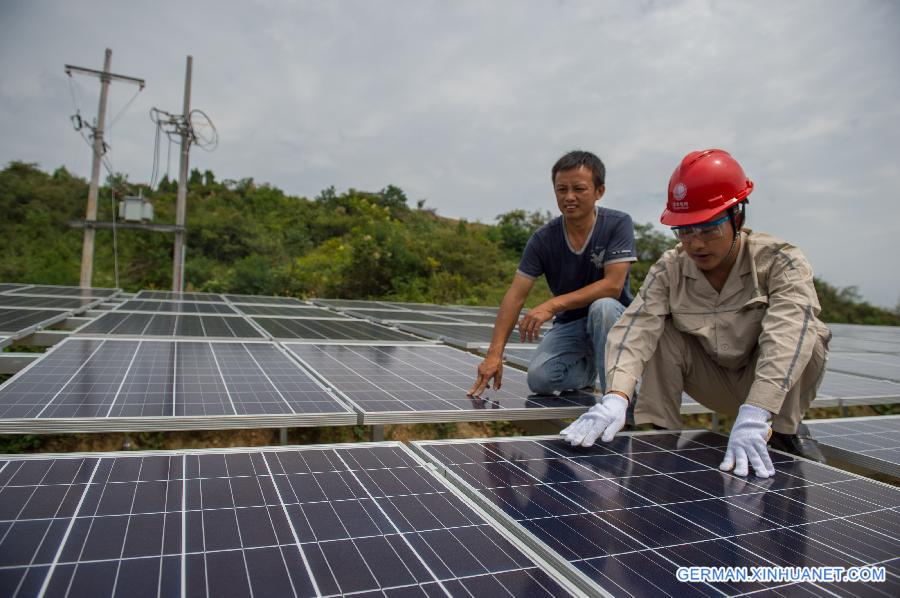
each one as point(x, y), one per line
point(704, 184)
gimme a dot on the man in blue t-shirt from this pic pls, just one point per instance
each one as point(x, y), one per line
point(585, 254)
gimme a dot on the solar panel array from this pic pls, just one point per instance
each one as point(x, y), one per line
point(323, 521)
point(618, 518)
point(870, 442)
point(853, 377)
point(406, 384)
point(622, 517)
point(118, 385)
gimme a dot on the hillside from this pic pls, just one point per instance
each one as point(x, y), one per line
point(252, 238)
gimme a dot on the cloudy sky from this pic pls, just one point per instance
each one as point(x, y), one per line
point(468, 104)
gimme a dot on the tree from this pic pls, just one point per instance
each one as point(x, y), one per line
point(517, 226)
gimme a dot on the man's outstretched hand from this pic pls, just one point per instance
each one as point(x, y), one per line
point(747, 443)
point(490, 368)
point(603, 420)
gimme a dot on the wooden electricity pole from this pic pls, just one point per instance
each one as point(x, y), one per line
point(99, 148)
point(187, 137)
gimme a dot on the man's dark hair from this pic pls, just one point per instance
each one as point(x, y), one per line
point(577, 158)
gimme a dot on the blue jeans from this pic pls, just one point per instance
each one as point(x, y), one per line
point(571, 355)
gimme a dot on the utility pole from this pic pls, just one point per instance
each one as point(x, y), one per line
point(99, 148)
point(187, 137)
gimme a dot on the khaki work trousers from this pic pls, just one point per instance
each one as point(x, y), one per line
point(680, 363)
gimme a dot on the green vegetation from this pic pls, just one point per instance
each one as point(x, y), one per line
point(245, 237)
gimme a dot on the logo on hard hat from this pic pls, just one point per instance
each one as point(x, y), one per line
point(680, 191)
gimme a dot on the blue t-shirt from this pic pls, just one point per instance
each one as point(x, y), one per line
point(568, 269)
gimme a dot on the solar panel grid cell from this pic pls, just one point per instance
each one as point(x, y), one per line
point(629, 513)
point(286, 523)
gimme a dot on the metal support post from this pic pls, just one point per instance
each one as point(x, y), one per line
point(377, 434)
point(181, 200)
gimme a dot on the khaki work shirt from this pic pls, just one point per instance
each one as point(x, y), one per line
point(768, 302)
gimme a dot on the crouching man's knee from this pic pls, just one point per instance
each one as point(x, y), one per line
point(604, 312)
point(546, 378)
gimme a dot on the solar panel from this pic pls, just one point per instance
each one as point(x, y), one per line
point(20, 321)
point(44, 302)
point(424, 307)
point(170, 325)
point(170, 296)
point(878, 333)
point(354, 330)
point(869, 442)
point(874, 365)
point(263, 300)
point(422, 383)
point(465, 336)
point(185, 307)
point(391, 316)
point(479, 309)
point(9, 286)
point(856, 389)
point(323, 521)
point(299, 311)
point(626, 515)
point(65, 291)
point(476, 318)
point(350, 303)
point(856, 345)
point(96, 384)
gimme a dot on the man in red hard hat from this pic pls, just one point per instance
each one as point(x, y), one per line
point(729, 316)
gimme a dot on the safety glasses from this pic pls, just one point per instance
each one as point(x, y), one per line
point(707, 231)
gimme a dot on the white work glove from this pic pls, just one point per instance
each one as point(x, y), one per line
point(605, 418)
point(749, 435)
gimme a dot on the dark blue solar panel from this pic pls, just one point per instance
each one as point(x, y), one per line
point(317, 521)
point(167, 325)
point(97, 379)
point(427, 383)
point(872, 442)
point(15, 320)
point(627, 514)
